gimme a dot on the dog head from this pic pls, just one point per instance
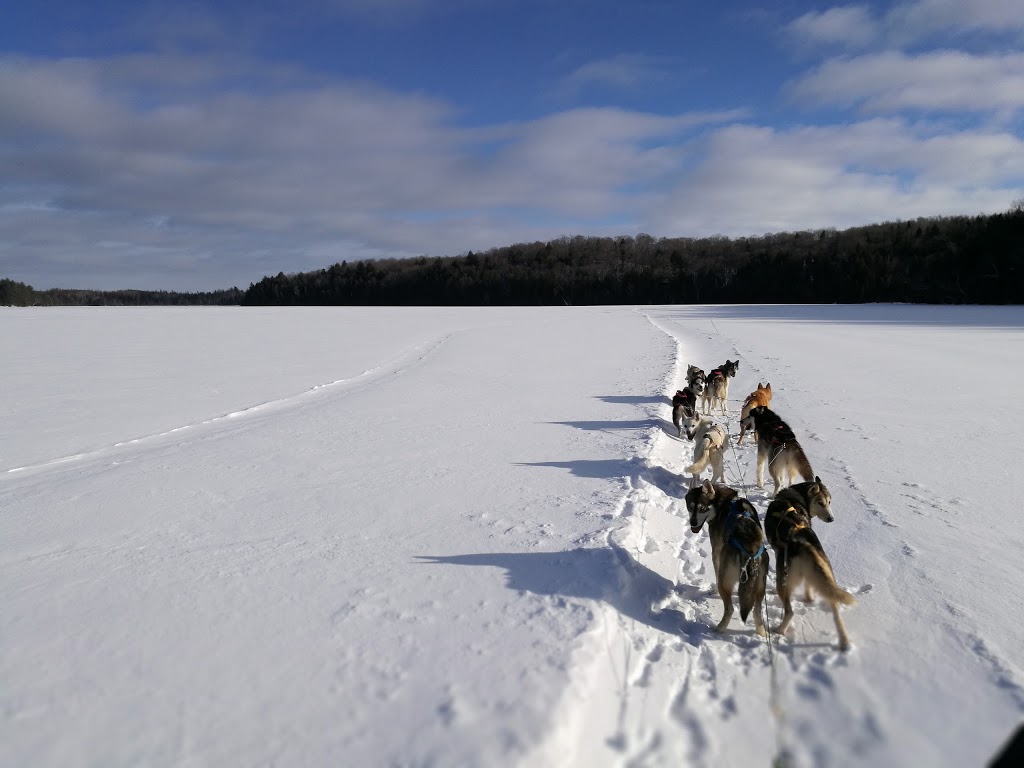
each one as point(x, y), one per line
point(700, 505)
point(730, 367)
point(695, 378)
point(755, 413)
point(691, 424)
point(819, 501)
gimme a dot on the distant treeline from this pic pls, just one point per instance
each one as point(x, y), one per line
point(953, 260)
point(949, 260)
point(19, 294)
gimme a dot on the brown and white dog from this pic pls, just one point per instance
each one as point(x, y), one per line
point(799, 556)
point(760, 396)
point(716, 387)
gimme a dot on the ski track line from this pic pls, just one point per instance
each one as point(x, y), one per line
point(371, 376)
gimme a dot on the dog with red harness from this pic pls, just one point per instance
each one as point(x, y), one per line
point(684, 402)
point(716, 388)
point(777, 447)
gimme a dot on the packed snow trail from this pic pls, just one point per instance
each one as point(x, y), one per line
point(668, 690)
point(660, 680)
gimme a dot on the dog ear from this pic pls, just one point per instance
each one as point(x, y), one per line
point(768, 387)
point(814, 490)
point(817, 479)
point(708, 488)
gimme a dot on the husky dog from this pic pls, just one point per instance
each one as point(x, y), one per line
point(760, 396)
point(695, 376)
point(716, 388)
point(737, 548)
point(799, 557)
point(778, 446)
point(710, 441)
point(684, 403)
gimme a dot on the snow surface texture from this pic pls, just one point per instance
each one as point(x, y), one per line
point(335, 536)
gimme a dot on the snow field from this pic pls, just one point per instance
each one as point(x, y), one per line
point(457, 537)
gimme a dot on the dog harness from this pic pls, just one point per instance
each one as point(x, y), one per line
point(796, 523)
point(791, 516)
point(776, 440)
point(737, 511)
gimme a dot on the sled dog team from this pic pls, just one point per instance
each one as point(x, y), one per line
point(738, 543)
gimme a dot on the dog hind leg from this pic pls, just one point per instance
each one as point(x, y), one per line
point(718, 467)
point(844, 640)
point(726, 584)
point(785, 582)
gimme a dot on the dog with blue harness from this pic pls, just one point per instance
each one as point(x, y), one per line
point(737, 548)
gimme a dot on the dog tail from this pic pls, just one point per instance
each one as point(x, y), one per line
point(702, 460)
point(753, 589)
point(824, 581)
point(803, 466)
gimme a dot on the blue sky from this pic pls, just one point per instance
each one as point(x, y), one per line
point(199, 145)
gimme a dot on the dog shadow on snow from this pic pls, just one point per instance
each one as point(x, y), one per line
point(605, 574)
point(633, 399)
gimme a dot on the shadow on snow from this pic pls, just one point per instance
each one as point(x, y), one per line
point(606, 574)
point(633, 399)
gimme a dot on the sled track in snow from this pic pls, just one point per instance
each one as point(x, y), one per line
point(657, 689)
point(316, 394)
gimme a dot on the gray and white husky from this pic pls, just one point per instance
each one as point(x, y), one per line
point(777, 447)
point(716, 386)
point(799, 556)
point(710, 439)
point(684, 402)
point(737, 548)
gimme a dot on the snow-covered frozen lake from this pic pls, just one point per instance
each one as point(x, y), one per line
point(420, 536)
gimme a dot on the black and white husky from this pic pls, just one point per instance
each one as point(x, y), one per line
point(799, 556)
point(710, 439)
point(716, 386)
point(777, 447)
point(737, 548)
point(684, 402)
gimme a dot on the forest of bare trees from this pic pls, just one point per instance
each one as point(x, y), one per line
point(954, 260)
point(948, 260)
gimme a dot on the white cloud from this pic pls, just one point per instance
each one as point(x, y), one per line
point(855, 26)
point(848, 25)
point(755, 179)
point(107, 147)
point(938, 80)
point(915, 19)
point(622, 72)
point(177, 171)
